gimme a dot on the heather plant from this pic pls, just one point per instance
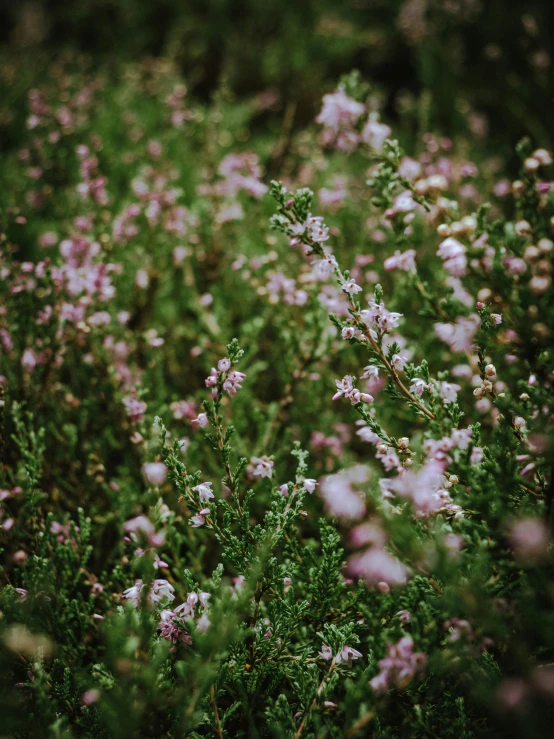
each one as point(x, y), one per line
point(276, 454)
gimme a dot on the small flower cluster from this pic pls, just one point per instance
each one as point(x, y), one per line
point(399, 667)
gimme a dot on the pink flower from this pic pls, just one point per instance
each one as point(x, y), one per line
point(202, 420)
point(155, 473)
point(29, 360)
point(204, 491)
point(144, 525)
point(403, 261)
point(211, 380)
point(133, 593)
point(326, 653)
point(309, 485)
point(374, 134)
point(529, 538)
point(200, 518)
point(399, 667)
point(376, 565)
point(140, 523)
point(263, 466)
point(324, 268)
point(224, 364)
point(135, 408)
point(448, 391)
point(370, 373)
point(339, 111)
point(398, 361)
point(348, 332)
point(161, 590)
point(90, 697)
point(379, 315)
point(409, 168)
point(418, 386)
point(459, 335)
point(405, 616)
point(350, 287)
point(346, 655)
point(171, 630)
point(424, 488)
point(346, 388)
point(404, 203)
point(233, 381)
point(317, 230)
point(341, 500)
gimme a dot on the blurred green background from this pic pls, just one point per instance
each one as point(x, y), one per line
point(488, 56)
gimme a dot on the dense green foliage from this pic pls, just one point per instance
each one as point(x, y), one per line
point(204, 531)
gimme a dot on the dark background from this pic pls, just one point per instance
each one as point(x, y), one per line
point(493, 55)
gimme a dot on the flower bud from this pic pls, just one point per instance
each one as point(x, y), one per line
point(524, 397)
point(444, 230)
point(531, 164)
point(523, 228)
point(469, 222)
point(543, 157)
point(540, 284)
point(457, 228)
point(490, 370)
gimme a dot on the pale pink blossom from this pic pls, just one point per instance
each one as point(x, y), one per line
point(341, 500)
point(202, 420)
point(459, 335)
point(339, 111)
point(263, 466)
point(449, 391)
point(232, 382)
point(399, 667)
point(374, 134)
point(326, 653)
point(398, 361)
point(529, 538)
point(155, 473)
point(347, 655)
point(404, 261)
point(309, 485)
point(377, 565)
point(348, 332)
point(350, 287)
point(200, 518)
point(204, 491)
point(418, 386)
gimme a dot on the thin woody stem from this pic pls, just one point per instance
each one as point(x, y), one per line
point(367, 333)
